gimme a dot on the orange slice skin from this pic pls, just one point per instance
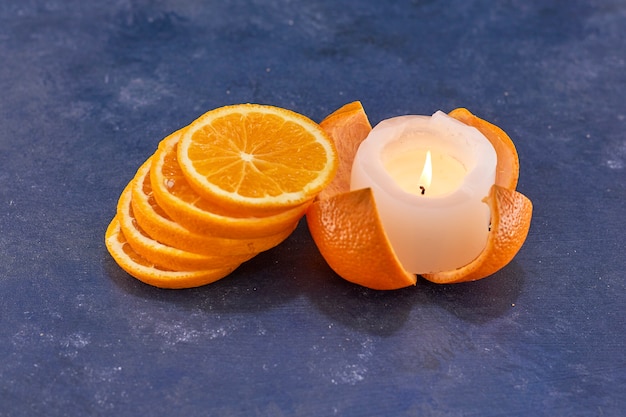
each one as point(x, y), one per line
point(156, 223)
point(347, 230)
point(183, 204)
point(145, 271)
point(162, 255)
point(507, 167)
point(350, 237)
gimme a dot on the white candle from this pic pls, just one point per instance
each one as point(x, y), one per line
point(438, 224)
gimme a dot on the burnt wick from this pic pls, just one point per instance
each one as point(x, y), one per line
point(423, 189)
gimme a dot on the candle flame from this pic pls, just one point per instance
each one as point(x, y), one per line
point(427, 173)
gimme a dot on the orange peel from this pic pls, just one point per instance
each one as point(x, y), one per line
point(344, 236)
point(347, 230)
point(507, 167)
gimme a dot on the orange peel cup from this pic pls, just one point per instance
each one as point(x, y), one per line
point(347, 230)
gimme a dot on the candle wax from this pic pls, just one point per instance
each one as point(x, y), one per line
point(446, 227)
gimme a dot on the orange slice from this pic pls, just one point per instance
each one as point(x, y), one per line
point(507, 167)
point(256, 159)
point(158, 225)
point(145, 271)
point(162, 255)
point(184, 205)
point(347, 230)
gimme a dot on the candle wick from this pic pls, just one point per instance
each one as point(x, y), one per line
point(423, 189)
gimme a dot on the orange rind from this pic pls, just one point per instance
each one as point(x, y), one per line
point(348, 232)
point(345, 236)
point(507, 167)
point(350, 121)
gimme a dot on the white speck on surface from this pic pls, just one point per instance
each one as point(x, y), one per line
point(615, 154)
point(168, 333)
point(77, 340)
point(342, 371)
point(140, 92)
point(215, 333)
point(175, 333)
point(72, 344)
point(366, 350)
point(349, 374)
point(615, 164)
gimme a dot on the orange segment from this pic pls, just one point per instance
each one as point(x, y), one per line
point(350, 121)
point(510, 221)
point(162, 255)
point(507, 168)
point(252, 158)
point(183, 204)
point(350, 237)
point(157, 224)
point(147, 272)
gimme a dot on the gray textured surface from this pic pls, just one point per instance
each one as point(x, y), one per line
point(88, 89)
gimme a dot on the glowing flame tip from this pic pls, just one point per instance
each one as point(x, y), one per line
point(427, 173)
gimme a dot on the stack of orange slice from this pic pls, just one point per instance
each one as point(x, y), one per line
point(233, 183)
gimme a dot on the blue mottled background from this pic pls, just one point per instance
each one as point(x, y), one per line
point(88, 88)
